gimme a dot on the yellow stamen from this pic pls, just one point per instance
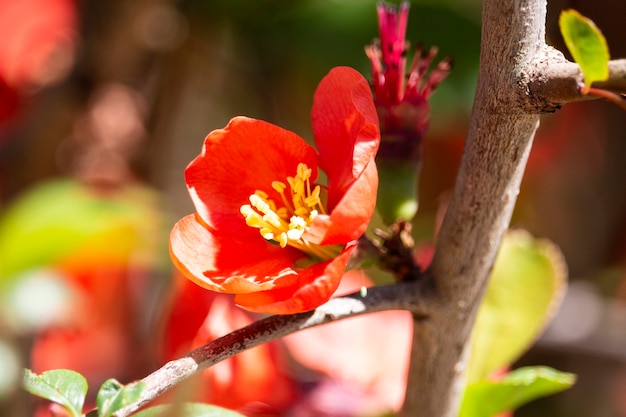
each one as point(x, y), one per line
point(287, 224)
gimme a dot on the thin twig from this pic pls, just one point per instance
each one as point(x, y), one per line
point(616, 99)
point(403, 296)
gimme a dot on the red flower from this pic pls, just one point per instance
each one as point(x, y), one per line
point(264, 230)
point(368, 372)
point(402, 102)
point(38, 40)
point(37, 49)
point(254, 382)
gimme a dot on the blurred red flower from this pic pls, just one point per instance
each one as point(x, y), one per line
point(365, 360)
point(37, 48)
point(255, 175)
point(98, 339)
point(38, 39)
point(97, 254)
point(358, 374)
point(253, 382)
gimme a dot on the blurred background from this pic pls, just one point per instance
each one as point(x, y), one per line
point(103, 104)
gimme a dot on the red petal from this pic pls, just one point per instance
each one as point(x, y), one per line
point(184, 316)
point(315, 286)
point(347, 352)
point(250, 378)
point(256, 376)
point(236, 161)
point(351, 215)
point(227, 265)
point(37, 39)
point(346, 131)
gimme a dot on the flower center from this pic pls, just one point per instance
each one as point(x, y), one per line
point(285, 225)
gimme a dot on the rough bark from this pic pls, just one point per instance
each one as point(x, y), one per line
point(554, 81)
point(497, 147)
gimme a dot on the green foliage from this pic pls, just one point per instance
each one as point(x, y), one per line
point(69, 388)
point(59, 218)
point(526, 286)
point(114, 396)
point(322, 34)
point(187, 410)
point(487, 398)
point(61, 386)
point(64, 224)
point(587, 46)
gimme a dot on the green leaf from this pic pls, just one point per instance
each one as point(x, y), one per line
point(526, 286)
point(61, 386)
point(113, 396)
point(187, 410)
point(587, 46)
point(487, 398)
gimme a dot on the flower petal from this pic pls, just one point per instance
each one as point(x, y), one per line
point(348, 352)
point(184, 314)
point(345, 124)
point(236, 161)
point(254, 379)
point(351, 215)
point(316, 285)
point(227, 265)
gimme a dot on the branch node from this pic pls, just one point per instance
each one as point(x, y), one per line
point(548, 70)
point(397, 253)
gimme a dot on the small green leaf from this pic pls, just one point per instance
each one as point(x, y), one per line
point(526, 286)
point(61, 386)
point(587, 46)
point(113, 396)
point(487, 398)
point(187, 410)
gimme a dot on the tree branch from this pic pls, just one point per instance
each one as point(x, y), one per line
point(403, 296)
point(497, 147)
point(554, 81)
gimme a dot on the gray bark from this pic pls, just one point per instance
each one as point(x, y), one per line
point(496, 150)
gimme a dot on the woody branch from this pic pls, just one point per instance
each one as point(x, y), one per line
point(403, 296)
point(520, 77)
